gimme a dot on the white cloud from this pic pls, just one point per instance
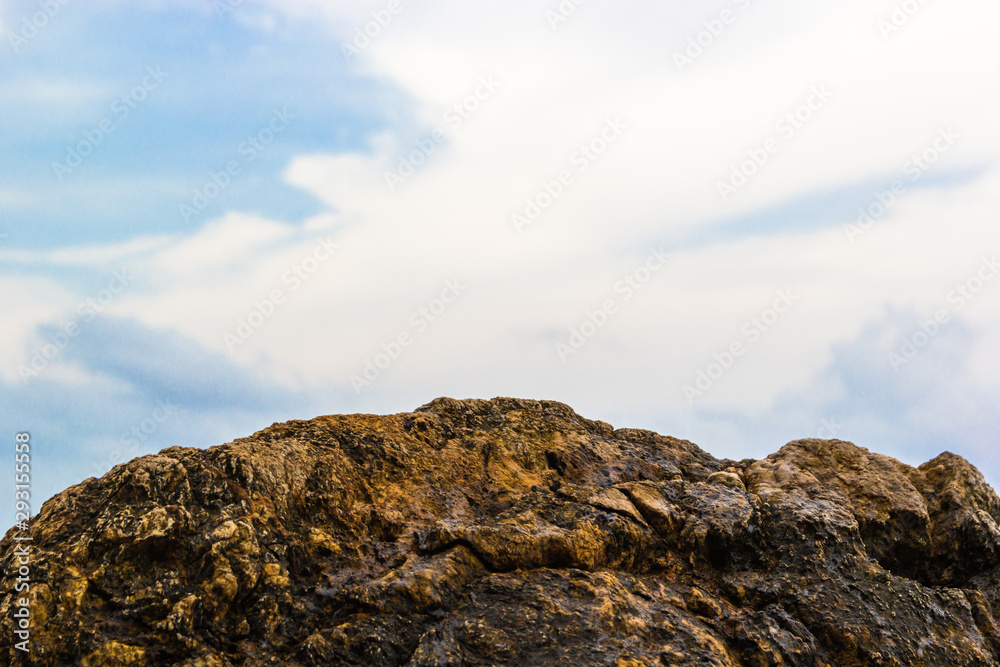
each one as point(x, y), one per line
point(656, 184)
point(26, 302)
point(86, 256)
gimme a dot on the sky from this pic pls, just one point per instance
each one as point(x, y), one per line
point(738, 223)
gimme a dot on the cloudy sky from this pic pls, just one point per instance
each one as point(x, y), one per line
point(739, 223)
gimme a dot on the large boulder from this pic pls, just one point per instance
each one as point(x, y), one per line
point(510, 532)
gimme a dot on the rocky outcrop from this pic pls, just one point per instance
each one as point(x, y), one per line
point(511, 532)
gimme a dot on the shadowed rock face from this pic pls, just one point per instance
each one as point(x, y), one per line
point(511, 532)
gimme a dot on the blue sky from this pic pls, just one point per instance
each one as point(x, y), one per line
point(218, 82)
point(351, 241)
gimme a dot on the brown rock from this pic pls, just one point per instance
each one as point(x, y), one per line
point(511, 532)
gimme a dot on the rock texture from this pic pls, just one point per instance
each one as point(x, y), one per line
point(511, 532)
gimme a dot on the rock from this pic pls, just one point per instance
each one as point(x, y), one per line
point(115, 654)
point(511, 532)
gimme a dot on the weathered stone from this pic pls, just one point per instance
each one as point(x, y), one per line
point(511, 532)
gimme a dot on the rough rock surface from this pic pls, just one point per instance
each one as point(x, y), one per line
point(511, 532)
